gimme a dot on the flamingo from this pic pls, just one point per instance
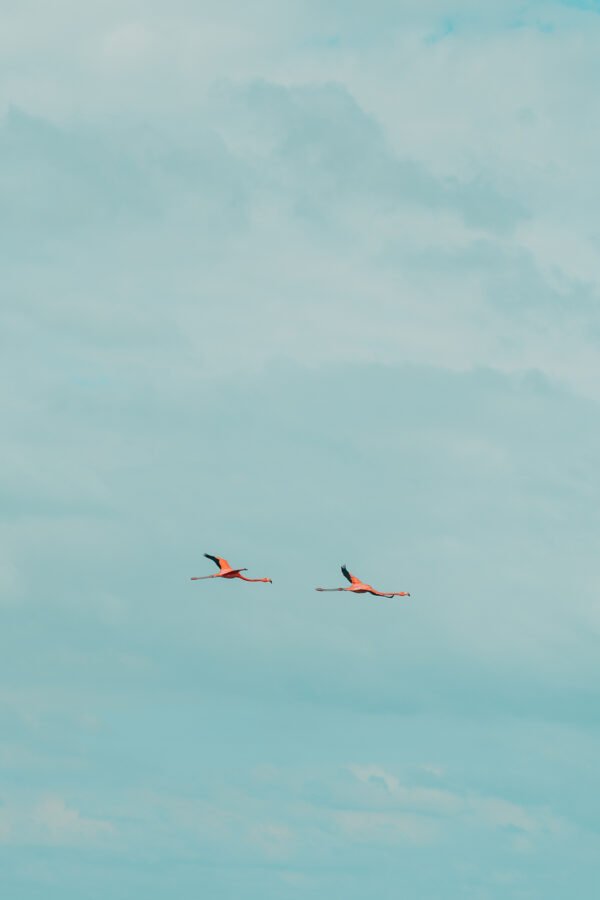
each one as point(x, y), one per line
point(225, 571)
point(359, 587)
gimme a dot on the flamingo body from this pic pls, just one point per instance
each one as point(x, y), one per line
point(361, 587)
point(226, 571)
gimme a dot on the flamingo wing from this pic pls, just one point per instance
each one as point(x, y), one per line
point(221, 563)
point(351, 578)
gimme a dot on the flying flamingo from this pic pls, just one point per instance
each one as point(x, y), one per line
point(225, 571)
point(359, 587)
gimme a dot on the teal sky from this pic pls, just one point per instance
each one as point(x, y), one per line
point(299, 284)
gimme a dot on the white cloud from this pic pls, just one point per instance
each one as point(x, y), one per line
point(51, 821)
point(385, 829)
point(63, 824)
point(428, 806)
point(128, 44)
point(273, 840)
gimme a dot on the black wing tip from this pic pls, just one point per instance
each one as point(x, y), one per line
point(345, 572)
point(214, 558)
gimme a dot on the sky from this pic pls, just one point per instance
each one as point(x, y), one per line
point(299, 284)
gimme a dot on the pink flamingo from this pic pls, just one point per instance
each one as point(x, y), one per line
point(225, 571)
point(359, 587)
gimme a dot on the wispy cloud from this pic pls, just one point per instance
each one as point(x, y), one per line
point(302, 287)
point(53, 822)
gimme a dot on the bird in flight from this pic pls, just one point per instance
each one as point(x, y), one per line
point(225, 571)
point(359, 587)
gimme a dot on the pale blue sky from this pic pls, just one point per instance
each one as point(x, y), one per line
point(299, 284)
